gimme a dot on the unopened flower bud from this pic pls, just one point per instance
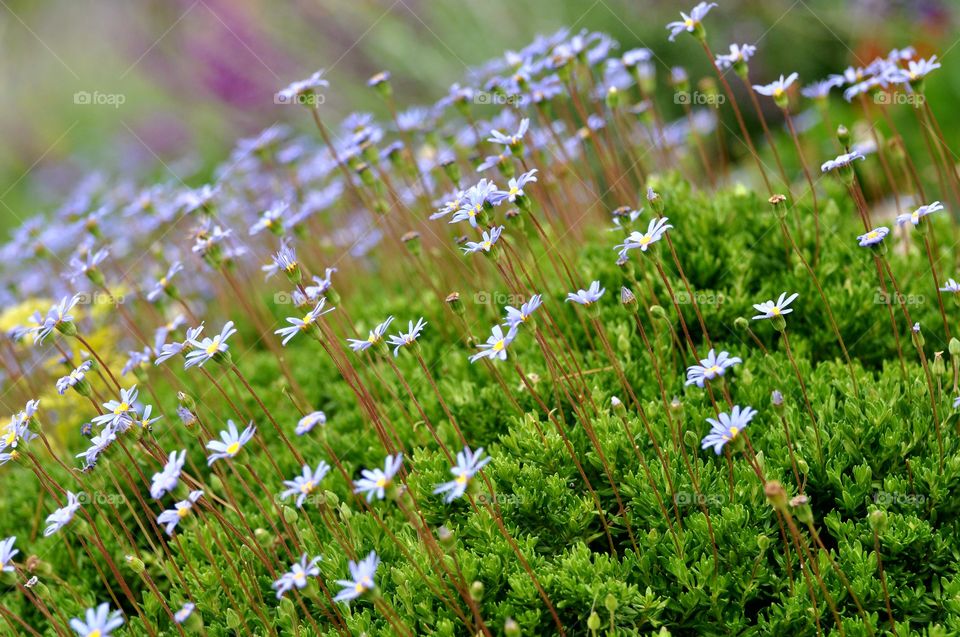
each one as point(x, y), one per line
point(593, 622)
point(476, 591)
point(938, 367)
point(954, 347)
point(511, 628)
point(610, 603)
point(453, 300)
point(656, 201)
point(447, 539)
point(878, 521)
point(412, 241)
point(776, 495)
point(628, 299)
point(135, 563)
point(613, 98)
point(843, 136)
point(779, 203)
point(801, 508)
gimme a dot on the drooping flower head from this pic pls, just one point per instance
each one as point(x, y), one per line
point(475, 200)
point(305, 483)
point(589, 296)
point(214, 348)
point(951, 286)
point(172, 517)
point(778, 88)
point(771, 309)
point(308, 422)
point(514, 192)
point(307, 323)
point(496, 345)
point(517, 317)
point(230, 443)
point(117, 413)
point(710, 367)
point(739, 54)
point(873, 237)
point(514, 140)
point(842, 161)
point(918, 214)
point(97, 622)
point(375, 482)
point(75, 379)
point(727, 428)
point(643, 240)
point(7, 553)
point(298, 575)
point(404, 339)
point(58, 318)
point(374, 338)
point(62, 516)
point(361, 578)
point(690, 23)
point(184, 613)
point(301, 91)
point(490, 239)
point(166, 480)
point(468, 465)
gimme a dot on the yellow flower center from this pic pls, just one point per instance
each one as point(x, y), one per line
point(778, 92)
point(95, 633)
point(688, 23)
point(10, 438)
point(714, 369)
point(359, 587)
point(733, 432)
point(164, 282)
point(461, 479)
point(381, 482)
point(233, 448)
point(121, 408)
point(775, 311)
point(213, 347)
point(645, 239)
point(873, 234)
point(307, 487)
point(299, 576)
point(514, 191)
point(183, 512)
point(498, 346)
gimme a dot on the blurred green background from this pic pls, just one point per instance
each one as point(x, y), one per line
point(171, 84)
